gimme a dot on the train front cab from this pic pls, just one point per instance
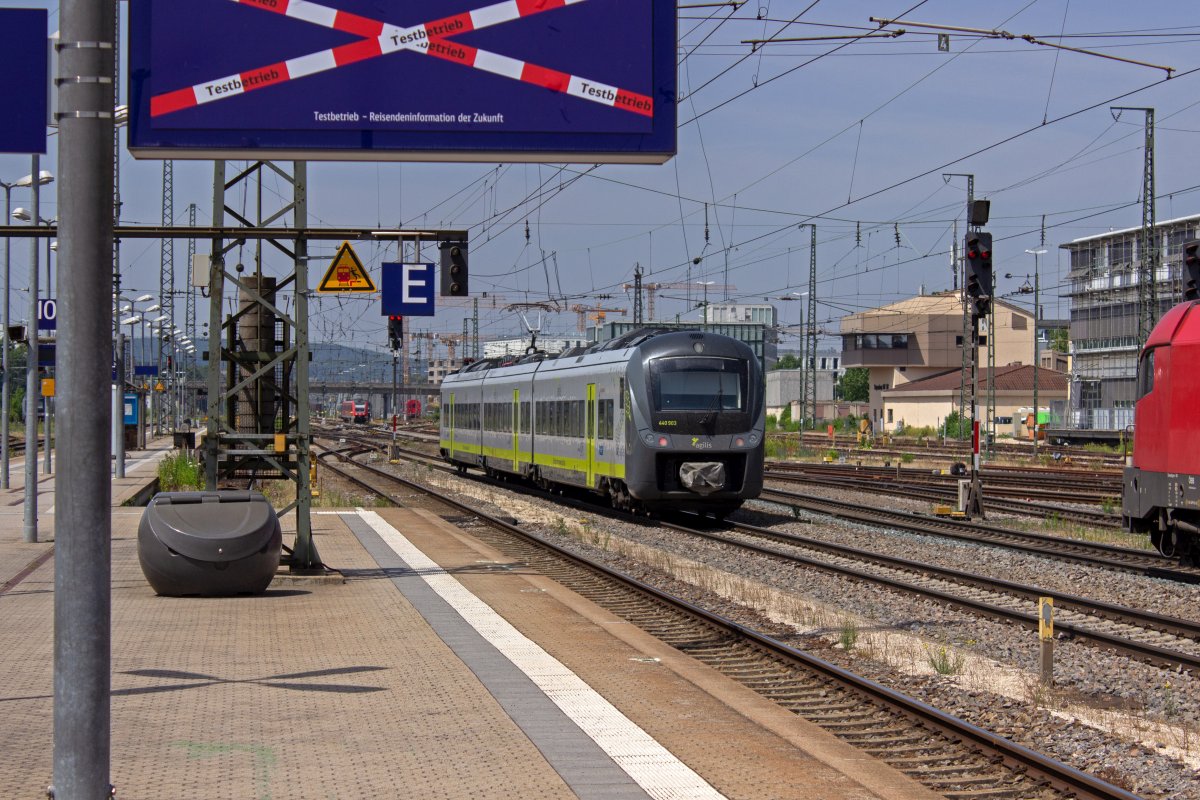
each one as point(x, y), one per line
point(695, 418)
point(1161, 493)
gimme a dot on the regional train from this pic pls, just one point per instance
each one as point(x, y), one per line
point(653, 420)
point(1161, 494)
point(355, 412)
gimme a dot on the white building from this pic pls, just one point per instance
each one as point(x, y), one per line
point(498, 348)
point(729, 313)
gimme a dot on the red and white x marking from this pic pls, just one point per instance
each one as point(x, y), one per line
point(380, 38)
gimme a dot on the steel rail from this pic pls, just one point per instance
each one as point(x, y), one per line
point(1155, 622)
point(1099, 519)
point(1144, 562)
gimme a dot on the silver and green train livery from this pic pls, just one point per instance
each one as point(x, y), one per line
point(654, 420)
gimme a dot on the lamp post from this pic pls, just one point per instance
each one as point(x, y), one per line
point(43, 177)
point(121, 372)
point(24, 215)
point(32, 392)
point(119, 432)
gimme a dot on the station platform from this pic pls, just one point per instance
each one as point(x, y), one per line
point(433, 669)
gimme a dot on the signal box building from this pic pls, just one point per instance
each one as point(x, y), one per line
point(1103, 287)
point(921, 337)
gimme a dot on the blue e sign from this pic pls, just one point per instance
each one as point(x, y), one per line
point(408, 289)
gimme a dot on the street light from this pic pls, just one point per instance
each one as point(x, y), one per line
point(43, 178)
point(24, 215)
point(35, 179)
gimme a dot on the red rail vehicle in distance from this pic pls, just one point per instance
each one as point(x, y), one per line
point(355, 412)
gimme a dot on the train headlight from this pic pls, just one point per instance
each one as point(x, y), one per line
point(663, 441)
point(753, 439)
point(698, 347)
point(648, 439)
point(740, 442)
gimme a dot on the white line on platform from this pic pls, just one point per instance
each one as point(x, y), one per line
point(651, 765)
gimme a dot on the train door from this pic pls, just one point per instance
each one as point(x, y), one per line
point(589, 413)
point(450, 422)
point(516, 430)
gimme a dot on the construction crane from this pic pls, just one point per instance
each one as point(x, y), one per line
point(597, 314)
point(652, 290)
point(450, 340)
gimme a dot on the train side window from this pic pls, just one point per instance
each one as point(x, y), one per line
point(621, 394)
point(1146, 373)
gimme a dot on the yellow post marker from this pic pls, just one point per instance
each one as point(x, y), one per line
point(1046, 635)
point(47, 387)
point(281, 443)
point(312, 474)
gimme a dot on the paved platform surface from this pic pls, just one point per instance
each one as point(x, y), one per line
point(436, 670)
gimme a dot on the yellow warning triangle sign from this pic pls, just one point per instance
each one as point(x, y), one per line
point(346, 273)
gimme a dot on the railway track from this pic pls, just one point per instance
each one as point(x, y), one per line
point(1124, 559)
point(1074, 485)
point(1144, 562)
point(959, 451)
point(1163, 641)
point(946, 754)
point(1098, 518)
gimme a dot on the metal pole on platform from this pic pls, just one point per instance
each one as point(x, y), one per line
point(83, 526)
point(32, 392)
point(4, 376)
point(48, 401)
point(118, 407)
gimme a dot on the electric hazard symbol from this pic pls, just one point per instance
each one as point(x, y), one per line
point(346, 273)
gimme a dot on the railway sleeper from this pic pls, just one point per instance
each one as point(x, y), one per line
point(864, 725)
point(882, 742)
point(815, 705)
point(930, 758)
point(994, 793)
point(972, 778)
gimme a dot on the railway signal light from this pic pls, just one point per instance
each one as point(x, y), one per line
point(454, 269)
point(979, 270)
point(1191, 270)
point(395, 331)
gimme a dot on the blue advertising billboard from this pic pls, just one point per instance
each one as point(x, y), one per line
point(24, 80)
point(445, 80)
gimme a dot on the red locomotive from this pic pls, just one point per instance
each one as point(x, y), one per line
point(412, 409)
point(355, 412)
point(1161, 493)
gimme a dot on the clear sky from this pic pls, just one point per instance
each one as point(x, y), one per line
point(853, 136)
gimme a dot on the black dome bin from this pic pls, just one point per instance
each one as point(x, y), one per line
point(209, 543)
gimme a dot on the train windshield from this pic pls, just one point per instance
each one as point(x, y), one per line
point(699, 384)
